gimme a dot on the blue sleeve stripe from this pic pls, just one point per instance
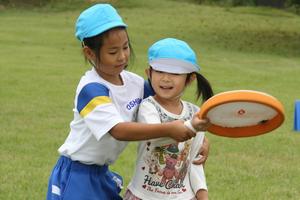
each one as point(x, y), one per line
point(89, 92)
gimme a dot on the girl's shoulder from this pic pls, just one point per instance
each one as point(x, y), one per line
point(132, 76)
point(88, 78)
point(148, 104)
point(194, 107)
point(149, 101)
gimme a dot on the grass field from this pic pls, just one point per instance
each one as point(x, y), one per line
point(238, 48)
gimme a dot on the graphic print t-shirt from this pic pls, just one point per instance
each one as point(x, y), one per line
point(162, 164)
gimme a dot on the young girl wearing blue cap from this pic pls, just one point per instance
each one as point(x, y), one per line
point(164, 167)
point(106, 102)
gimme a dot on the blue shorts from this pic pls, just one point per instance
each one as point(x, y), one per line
point(72, 180)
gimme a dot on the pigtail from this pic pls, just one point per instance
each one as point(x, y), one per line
point(204, 88)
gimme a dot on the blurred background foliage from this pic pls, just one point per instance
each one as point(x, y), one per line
point(291, 5)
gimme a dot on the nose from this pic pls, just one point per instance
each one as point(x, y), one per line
point(122, 56)
point(165, 76)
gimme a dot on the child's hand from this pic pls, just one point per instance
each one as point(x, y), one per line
point(200, 124)
point(203, 153)
point(202, 195)
point(179, 132)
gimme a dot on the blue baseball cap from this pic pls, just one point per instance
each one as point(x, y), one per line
point(173, 56)
point(97, 19)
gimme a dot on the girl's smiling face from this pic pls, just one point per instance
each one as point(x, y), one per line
point(167, 86)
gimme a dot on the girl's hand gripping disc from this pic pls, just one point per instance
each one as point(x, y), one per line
point(242, 113)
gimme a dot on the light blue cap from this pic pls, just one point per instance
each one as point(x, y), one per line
point(97, 19)
point(173, 56)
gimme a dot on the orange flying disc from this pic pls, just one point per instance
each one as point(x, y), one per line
point(242, 113)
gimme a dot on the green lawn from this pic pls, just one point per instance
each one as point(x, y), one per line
point(238, 48)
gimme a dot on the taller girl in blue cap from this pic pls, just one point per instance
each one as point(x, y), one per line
point(105, 105)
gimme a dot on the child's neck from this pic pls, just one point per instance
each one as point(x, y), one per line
point(172, 105)
point(115, 80)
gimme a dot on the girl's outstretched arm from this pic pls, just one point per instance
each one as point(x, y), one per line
point(132, 131)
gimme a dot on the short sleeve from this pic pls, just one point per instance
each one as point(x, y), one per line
point(147, 113)
point(97, 109)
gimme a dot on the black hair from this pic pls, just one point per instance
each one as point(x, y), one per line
point(204, 88)
point(95, 43)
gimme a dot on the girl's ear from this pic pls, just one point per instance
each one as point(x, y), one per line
point(89, 54)
point(191, 79)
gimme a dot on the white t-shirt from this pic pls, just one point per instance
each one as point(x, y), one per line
point(163, 167)
point(100, 105)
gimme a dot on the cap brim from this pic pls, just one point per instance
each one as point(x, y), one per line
point(173, 66)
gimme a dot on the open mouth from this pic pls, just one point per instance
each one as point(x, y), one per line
point(166, 87)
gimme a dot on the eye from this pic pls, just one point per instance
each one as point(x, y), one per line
point(112, 53)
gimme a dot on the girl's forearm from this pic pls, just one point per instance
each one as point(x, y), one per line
point(132, 131)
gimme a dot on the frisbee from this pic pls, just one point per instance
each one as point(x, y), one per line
point(242, 113)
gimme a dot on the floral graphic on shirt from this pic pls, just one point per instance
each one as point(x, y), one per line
point(166, 167)
point(152, 163)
